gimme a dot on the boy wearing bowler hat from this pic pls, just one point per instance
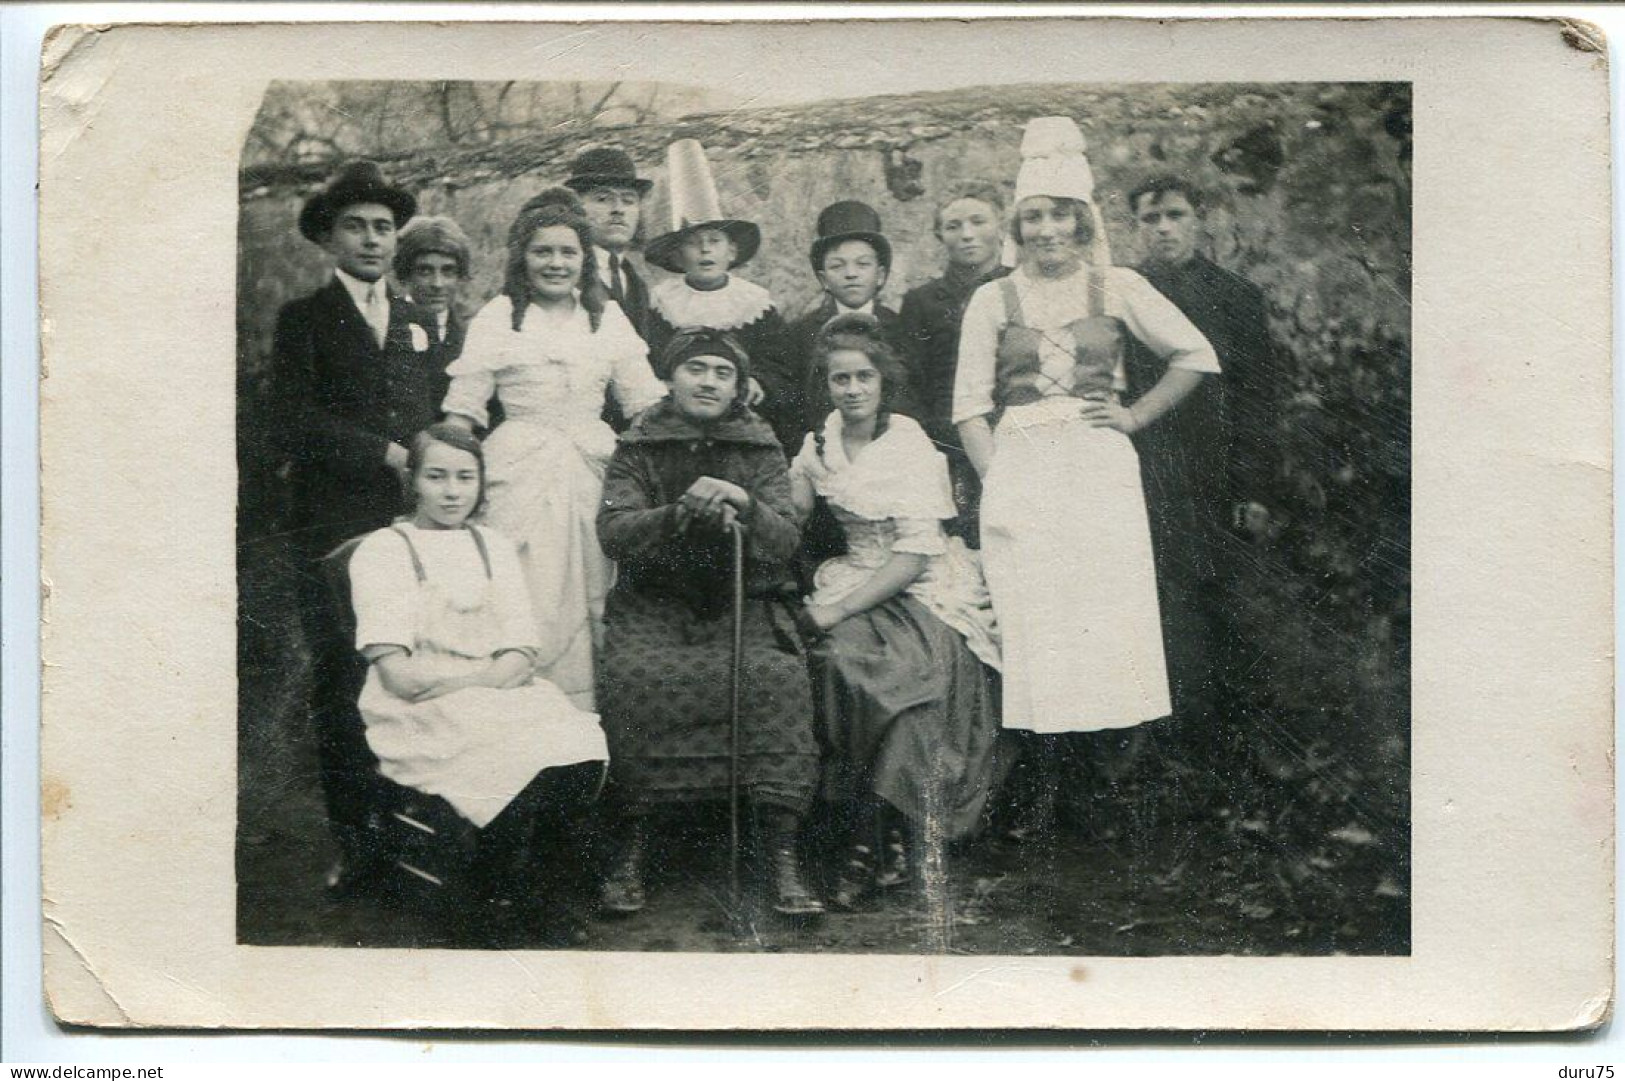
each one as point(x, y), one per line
point(357, 374)
point(852, 259)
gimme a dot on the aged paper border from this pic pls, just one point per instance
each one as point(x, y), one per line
point(1513, 808)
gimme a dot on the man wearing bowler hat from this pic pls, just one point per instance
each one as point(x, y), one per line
point(612, 193)
point(357, 374)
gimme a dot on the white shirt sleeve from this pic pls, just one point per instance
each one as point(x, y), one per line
point(1158, 322)
point(473, 375)
point(978, 344)
point(383, 589)
point(920, 536)
point(806, 463)
point(635, 384)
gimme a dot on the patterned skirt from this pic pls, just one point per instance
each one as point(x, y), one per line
point(663, 693)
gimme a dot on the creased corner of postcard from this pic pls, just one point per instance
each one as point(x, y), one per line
point(76, 62)
point(75, 991)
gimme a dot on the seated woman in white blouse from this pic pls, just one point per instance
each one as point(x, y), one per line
point(906, 636)
point(450, 703)
point(546, 349)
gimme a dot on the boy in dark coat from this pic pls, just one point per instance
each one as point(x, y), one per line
point(687, 470)
point(852, 260)
point(970, 225)
point(1208, 468)
point(357, 375)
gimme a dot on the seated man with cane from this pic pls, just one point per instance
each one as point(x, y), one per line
point(691, 471)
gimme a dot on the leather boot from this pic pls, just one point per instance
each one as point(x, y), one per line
point(791, 897)
point(622, 890)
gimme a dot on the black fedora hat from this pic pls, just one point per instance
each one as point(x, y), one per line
point(605, 167)
point(849, 220)
point(356, 182)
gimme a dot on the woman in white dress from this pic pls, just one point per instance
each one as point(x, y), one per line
point(546, 348)
point(1038, 404)
point(451, 706)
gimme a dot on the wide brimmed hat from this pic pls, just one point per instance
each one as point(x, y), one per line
point(356, 182)
point(849, 220)
point(605, 167)
point(695, 206)
point(432, 236)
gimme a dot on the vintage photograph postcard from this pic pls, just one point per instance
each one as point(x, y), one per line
point(760, 525)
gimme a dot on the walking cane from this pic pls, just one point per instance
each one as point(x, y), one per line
point(737, 534)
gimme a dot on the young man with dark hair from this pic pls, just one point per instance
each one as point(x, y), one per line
point(612, 195)
point(1208, 470)
point(357, 376)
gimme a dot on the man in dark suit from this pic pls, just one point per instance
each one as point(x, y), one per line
point(970, 224)
point(1208, 466)
point(357, 375)
point(612, 195)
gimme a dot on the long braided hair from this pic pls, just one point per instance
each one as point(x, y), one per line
point(555, 206)
point(860, 333)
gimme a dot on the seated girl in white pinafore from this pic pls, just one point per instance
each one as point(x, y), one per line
point(450, 703)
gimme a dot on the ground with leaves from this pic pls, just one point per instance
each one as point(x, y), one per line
point(1282, 832)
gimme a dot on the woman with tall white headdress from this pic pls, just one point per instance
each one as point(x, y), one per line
point(1039, 404)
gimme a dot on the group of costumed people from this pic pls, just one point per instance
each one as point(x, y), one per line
point(556, 606)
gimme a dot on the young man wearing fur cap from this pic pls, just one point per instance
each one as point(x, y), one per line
point(356, 377)
point(433, 263)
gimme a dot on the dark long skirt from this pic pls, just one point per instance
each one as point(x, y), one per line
point(663, 695)
point(907, 712)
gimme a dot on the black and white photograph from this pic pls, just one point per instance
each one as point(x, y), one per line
point(676, 525)
point(973, 521)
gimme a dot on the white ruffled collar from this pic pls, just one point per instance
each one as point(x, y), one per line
point(899, 475)
point(736, 304)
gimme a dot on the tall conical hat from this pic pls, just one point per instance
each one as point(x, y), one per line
point(1053, 163)
point(695, 205)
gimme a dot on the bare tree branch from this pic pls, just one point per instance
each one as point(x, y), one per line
point(598, 106)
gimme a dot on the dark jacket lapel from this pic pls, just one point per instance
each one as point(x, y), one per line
point(343, 311)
